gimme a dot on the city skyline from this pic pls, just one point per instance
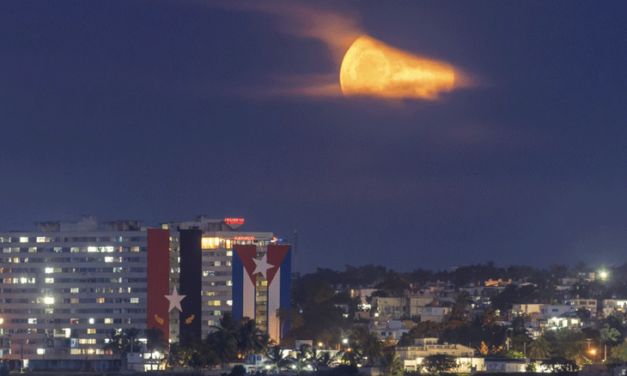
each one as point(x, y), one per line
point(163, 111)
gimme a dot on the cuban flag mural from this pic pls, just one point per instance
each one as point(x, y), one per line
point(274, 264)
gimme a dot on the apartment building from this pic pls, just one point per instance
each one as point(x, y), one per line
point(65, 287)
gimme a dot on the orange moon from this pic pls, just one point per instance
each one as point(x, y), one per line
point(372, 68)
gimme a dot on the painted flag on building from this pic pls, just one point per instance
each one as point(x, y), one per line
point(272, 264)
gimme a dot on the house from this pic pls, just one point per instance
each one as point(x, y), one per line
point(413, 356)
point(435, 314)
point(393, 329)
point(506, 365)
point(589, 304)
point(389, 307)
point(415, 303)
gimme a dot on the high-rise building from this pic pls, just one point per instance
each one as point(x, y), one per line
point(207, 269)
point(65, 289)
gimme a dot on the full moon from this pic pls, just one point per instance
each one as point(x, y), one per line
point(372, 68)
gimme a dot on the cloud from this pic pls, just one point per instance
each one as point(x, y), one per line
point(404, 76)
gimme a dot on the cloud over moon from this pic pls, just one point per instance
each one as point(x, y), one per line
point(363, 65)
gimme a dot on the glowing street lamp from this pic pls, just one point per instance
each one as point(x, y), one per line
point(603, 274)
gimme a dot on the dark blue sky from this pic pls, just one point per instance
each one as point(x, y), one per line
point(161, 110)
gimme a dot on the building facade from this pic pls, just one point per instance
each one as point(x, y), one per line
point(68, 288)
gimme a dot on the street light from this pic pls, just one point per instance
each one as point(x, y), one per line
point(603, 274)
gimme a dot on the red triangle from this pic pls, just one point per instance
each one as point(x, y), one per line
point(276, 255)
point(247, 253)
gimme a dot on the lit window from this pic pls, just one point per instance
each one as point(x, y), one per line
point(41, 239)
point(23, 280)
point(92, 249)
point(108, 259)
point(48, 300)
point(76, 351)
point(229, 283)
point(91, 330)
point(264, 283)
point(49, 280)
point(100, 300)
point(74, 290)
point(32, 250)
point(32, 321)
point(134, 300)
point(23, 240)
point(49, 270)
point(91, 321)
point(74, 321)
point(210, 243)
point(108, 321)
point(229, 302)
point(217, 313)
point(41, 351)
point(229, 253)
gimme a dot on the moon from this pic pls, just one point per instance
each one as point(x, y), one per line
point(371, 68)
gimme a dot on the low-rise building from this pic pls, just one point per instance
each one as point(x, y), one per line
point(435, 314)
point(589, 304)
point(413, 356)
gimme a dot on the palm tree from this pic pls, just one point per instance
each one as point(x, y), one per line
point(155, 341)
point(130, 339)
point(251, 339)
point(303, 358)
point(540, 349)
point(372, 348)
point(175, 355)
point(276, 359)
point(393, 364)
point(224, 339)
point(114, 345)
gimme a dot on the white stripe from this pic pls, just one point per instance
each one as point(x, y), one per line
point(249, 297)
point(274, 302)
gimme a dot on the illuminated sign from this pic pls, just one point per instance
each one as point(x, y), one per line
point(234, 221)
point(241, 238)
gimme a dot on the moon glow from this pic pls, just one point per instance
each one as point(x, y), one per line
point(372, 68)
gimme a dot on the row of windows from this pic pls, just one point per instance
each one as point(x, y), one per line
point(17, 260)
point(90, 249)
point(74, 270)
point(219, 303)
point(74, 300)
point(110, 321)
point(24, 280)
point(67, 239)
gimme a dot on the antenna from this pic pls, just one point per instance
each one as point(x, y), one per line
point(296, 253)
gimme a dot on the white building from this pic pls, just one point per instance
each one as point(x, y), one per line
point(413, 356)
point(64, 288)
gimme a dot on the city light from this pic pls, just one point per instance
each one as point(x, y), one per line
point(603, 274)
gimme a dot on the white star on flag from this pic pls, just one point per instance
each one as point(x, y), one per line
point(262, 266)
point(175, 300)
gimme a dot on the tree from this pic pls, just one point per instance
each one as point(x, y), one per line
point(609, 335)
point(513, 354)
point(618, 354)
point(250, 338)
point(175, 355)
point(439, 363)
point(131, 342)
point(561, 365)
point(539, 349)
point(372, 348)
point(393, 364)
point(223, 340)
point(276, 359)
point(155, 341)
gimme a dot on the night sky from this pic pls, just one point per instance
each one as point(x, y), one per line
point(162, 110)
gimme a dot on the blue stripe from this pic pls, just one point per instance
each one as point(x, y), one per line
point(237, 291)
point(286, 290)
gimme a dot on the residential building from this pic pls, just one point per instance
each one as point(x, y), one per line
point(389, 307)
point(415, 303)
point(65, 287)
point(209, 271)
point(435, 314)
point(589, 304)
point(413, 356)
